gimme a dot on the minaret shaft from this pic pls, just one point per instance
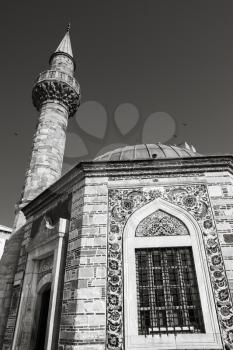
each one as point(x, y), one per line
point(47, 150)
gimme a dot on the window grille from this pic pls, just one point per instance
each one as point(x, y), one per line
point(167, 291)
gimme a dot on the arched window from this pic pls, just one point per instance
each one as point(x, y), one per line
point(168, 298)
point(167, 291)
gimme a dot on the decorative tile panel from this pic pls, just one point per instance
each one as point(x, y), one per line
point(161, 224)
point(194, 199)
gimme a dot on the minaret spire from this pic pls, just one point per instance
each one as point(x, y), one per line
point(56, 96)
point(65, 45)
point(64, 48)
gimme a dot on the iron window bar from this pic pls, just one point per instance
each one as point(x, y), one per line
point(167, 292)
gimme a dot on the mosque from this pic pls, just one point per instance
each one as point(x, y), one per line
point(129, 251)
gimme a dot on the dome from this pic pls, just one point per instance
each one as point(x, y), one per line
point(149, 151)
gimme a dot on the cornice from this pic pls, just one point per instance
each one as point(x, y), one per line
point(56, 90)
point(137, 168)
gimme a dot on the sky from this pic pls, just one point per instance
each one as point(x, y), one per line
point(150, 71)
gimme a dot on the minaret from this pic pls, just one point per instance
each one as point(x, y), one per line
point(56, 95)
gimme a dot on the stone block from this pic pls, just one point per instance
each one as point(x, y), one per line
point(67, 320)
point(103, 230)
point(91, 306)
point(72, 306)
point(91, 242)
point(70, 275)
point(96, 198)
point(74, 234)
point(76, 223)
point(96, 190)
point(66, 294)
point(89, 335)
point(227, 252)
point(98, 260)
point(87, 272)
point(101, 272)
point(81, 320)
point(228, 264)
point(83, 260)
point(90, 231)
point(215, 191)
point(98, 282)
point(67, 335)
point(94, 219)
point(100, 241)
point(85, 347)
point(82, 283)
point(74, 244)
point(96, 180)
point(229, 274)
point(228, 238)
point(96, 320)
point(89, 293)
point(95, 207)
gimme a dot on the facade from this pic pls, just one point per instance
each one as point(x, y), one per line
point(132, 250)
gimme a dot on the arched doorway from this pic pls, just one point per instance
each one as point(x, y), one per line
point(42, 310)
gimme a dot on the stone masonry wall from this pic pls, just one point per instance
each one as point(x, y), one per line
point(17, 284)
point(220, 189)
point(47, 150)
point(8, 268)
point(17, 277)
point(83, 319)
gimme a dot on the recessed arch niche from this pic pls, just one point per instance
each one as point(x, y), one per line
point(191, 237)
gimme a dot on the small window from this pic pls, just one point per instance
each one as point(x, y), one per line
point(167, 292)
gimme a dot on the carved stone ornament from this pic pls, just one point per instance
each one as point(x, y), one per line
point(42, 229)
point(45, 267)
point(161, 224)
point(50, 90)
point(194, 199)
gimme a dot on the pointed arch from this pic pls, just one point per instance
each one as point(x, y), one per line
point(43, 282)
point(163, 205)
point(160, 223)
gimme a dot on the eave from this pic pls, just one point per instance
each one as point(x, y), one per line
point(154, 167)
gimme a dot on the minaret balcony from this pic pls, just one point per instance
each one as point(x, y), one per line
point(59, 76)
point(54, 85)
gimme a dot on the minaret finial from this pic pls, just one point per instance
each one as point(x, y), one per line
point(68, 27)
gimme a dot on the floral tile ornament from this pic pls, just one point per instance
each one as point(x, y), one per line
point(194, 199)
point(161, 224)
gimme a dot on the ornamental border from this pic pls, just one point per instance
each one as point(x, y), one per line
point(195, 200)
